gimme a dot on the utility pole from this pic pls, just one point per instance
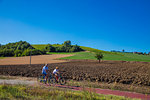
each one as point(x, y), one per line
point(30, 56)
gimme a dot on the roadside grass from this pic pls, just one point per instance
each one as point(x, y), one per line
point(44, 93)
point(119, 57)
point(6, 77)
point(113, 86)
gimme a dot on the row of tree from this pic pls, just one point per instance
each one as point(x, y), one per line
point(22, 48)
point(65, 47)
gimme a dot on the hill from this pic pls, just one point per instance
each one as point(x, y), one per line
point(116, 56)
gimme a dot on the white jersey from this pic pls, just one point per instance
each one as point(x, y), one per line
point(55, 71)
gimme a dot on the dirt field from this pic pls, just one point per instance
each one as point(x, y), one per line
point(40, 59)
point(108, 71)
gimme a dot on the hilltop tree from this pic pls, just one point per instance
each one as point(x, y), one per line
point(67, 43)
point(99, 56)
point(50, 48)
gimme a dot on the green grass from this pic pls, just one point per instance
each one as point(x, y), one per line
point(5, 77)
point(39, 46)
point(9, 92)
point(96, 50)
point(119, 57)
point(107, 55)
point(61, 52)
point(42, 46)
point(2, 57)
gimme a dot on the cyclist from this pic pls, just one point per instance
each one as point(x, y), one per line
point(44, 71)
point(56, 73)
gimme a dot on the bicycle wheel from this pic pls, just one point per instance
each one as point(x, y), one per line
point(52, 81)
point(40, 78)
point(62, 81)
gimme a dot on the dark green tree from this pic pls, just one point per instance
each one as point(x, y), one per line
point(18, 53)
point(50, 48)
point(99, 56)
point(67, 43)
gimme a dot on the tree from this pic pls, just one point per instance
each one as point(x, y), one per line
point(123, 50)
point(67, 43)
point(50, 48)
point(18, 53)
point(99, 56)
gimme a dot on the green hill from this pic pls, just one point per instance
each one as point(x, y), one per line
point(118, 56)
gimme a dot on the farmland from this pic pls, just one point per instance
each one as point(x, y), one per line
point(121, 72)
point(40, 59)
point(107, 55)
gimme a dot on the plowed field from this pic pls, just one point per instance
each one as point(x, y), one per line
point(108, 71)
point(40, 59)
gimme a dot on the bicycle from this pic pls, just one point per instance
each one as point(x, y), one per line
point(61, 80)
point(42, 79)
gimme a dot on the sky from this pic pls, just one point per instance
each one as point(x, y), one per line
point(101, 24)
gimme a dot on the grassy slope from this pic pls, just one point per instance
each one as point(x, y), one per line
point(40, 93)
point(107, 55)
point(124, 57)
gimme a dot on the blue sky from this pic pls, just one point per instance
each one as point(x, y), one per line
point(102, 24)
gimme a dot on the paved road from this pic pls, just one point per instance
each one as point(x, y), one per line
point(14, 82)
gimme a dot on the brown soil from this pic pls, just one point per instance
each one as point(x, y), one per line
point(121, 72)
point(40, 59)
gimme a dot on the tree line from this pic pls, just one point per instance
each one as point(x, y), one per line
point(23, 48)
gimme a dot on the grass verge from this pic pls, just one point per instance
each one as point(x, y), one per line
point(40, 93)
point(113, 86)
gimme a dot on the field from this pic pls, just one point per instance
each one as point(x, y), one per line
point(121, 72)
point(107, 55)
point(41, 59)
point(114, 57)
